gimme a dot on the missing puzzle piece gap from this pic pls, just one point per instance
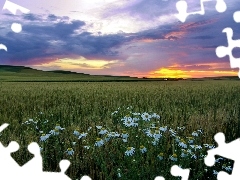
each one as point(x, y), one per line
point(182, 8)
point(177, 171)
point(227, 150)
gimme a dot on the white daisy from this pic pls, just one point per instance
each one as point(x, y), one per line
point(210, 146)
point(190, 140)
point(195, 134)
point(125, 135)
point(54, 132)
point(146, 117)
point(86, 147)
point(113, 134)
point(128, 122)
point(136, 114)
point(99, 127)
point(182, 144)
point(173, 157)
point(200, 130)
point(177, 139)
point(126, 118)
point(154, 115)
point(135, 119)
point(227, 168)
point(115, 112)
point(76, 132)
point(103, 131)
point(196, 147)
point(193, 156)
point(173, 133)
point(184, 153)
point(218, 159)
point(160, 156)
point(83, 134)
point(215, 172)
point(44, 137)
point(107, 138)
point(143, 149)
point(164, 129)
point(130, 151)
point(70, 151)
point(149, 132)
point(30, 120)
point(58, 127)
point(181, 128)
point(157, 134)
point(155, 142)
point(89, 128)
point(99, 142)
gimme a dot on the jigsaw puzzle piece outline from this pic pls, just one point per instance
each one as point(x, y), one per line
point(182, 8)
point(177, 171)
point(222, 51)
point(8, 164)
point(228, 150)
point(13, 8)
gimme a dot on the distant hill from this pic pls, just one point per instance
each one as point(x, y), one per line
point(10, 73)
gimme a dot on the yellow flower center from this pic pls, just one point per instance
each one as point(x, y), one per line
point(174, 155)
point(129, 148)
point(124, 132)
point(161, 154)
point(183, 141)
point(98, 139)
point(141, 147)
point(184, 151)
point(69, 149)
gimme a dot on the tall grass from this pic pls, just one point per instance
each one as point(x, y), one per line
point(210, 105)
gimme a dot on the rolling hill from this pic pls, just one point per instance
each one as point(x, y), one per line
point(10, 73)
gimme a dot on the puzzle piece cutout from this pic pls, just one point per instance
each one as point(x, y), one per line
point(222, 51)
point(13, 8)
point(182, 8)
point(33, 169)
point(227, 150)
point(177, 171)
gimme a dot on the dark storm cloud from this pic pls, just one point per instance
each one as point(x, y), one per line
point(48, 40)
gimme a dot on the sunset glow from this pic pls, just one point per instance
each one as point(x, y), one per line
point(130, 38)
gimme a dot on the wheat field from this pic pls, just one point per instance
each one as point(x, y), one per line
point(121, 130)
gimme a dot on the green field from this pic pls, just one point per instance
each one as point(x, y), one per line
point(212, 106)
point(97, 110)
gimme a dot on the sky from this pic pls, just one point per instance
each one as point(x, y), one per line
point(138, 38)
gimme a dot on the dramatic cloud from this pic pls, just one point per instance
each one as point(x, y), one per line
point(137, 38)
